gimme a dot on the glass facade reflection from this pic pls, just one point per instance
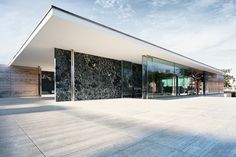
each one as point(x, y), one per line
point(164, 78)
point(127, 79)
point(131, 80)
point(184, 81)
point(159, 78)
point(189, 81)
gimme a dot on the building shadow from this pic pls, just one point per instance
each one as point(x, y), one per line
point(185, 97)
point(24, 100)
point(176, 97)
point(154, 141)
point(27, 110)
point(168, 142)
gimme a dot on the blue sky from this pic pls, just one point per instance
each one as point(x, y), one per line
point(201, 29)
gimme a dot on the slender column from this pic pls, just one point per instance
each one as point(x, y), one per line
point(55, 79)
point(39, 81)
point(147, 78)
point(176, 84)
point(147, 81)
point(122, 79)
point(204, 83)
point(72, 75)
point(144, 93)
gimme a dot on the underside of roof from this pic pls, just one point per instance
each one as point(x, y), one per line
point(65, 30)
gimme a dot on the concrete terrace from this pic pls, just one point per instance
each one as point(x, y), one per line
point(196, 126)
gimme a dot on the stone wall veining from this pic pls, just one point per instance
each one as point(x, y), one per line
point(63, 75)
point(96, 77)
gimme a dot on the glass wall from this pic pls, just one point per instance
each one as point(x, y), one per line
point(160, 78)
point(127, 79)
point(189, 81)
point(137, 80)
point(164, 78)
point(184, 81)
point(131, 80)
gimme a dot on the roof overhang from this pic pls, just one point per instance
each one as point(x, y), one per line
point(65, 30)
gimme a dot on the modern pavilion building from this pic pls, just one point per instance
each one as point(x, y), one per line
point(89, 60)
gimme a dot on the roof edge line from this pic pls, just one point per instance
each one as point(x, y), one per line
point(24, 44)
point(144, 41)
point(107, 27)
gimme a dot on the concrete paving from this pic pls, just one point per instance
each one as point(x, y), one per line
point(188, 127)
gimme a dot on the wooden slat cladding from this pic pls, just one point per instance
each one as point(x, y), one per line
point(18, 81)
point(5, 88)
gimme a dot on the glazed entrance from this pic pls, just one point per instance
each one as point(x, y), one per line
point(164, 78)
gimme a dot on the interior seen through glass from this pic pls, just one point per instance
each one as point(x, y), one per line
point(164, 78)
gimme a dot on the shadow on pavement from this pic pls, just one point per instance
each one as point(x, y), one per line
point(23, 100)
point(154, 141)
point(46, 108)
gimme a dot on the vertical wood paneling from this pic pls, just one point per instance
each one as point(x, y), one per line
point(18, 81)
point(5, 87)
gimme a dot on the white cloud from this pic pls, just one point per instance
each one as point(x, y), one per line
point(107, 3)
point(121, 8)
point(229, 8)
point(204, 3)
point(161, 3)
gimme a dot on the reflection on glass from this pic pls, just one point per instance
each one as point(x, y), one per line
point(131, 80)
point(163, 78)
point(127, 79)
point(137, 80)
point(144, 77)
point(160, 78)
point(183, 80)
point(190, 82)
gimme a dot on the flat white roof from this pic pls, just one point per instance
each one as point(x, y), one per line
point(62, 29)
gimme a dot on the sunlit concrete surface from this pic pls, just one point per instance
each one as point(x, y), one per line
point(196, 126)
